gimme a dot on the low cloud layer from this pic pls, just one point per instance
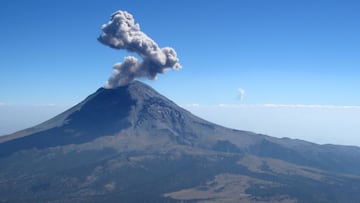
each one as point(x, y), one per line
point(121, 32)
point(316, 123)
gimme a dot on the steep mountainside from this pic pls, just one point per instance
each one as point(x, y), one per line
point(131, 144)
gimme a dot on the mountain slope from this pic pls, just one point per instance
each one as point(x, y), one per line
point(120, 143)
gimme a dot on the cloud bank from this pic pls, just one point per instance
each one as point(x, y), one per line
point(323, 124)
point(121, 32)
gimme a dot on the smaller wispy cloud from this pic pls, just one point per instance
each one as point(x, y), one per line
point(241, 94)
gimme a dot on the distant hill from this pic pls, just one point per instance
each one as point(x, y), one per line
point(131, 144)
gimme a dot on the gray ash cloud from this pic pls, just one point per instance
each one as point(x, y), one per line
point(121, 32)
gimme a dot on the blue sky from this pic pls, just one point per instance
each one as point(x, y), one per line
point(279, 51)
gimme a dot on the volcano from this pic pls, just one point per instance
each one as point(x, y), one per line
point(131, 144)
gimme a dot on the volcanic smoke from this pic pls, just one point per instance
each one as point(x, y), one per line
point(121, 32)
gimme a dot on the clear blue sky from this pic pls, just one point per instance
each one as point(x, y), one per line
point(289, 51)
point(278, 51)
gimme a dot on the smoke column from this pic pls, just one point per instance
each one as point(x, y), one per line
point(121, 32)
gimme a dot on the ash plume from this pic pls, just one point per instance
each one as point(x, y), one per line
point(121, 32)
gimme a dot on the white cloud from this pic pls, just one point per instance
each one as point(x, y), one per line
point(241, 93)
point(194, 105)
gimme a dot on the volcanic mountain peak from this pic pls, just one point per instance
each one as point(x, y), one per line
point(127, 140)
point(136, 108)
